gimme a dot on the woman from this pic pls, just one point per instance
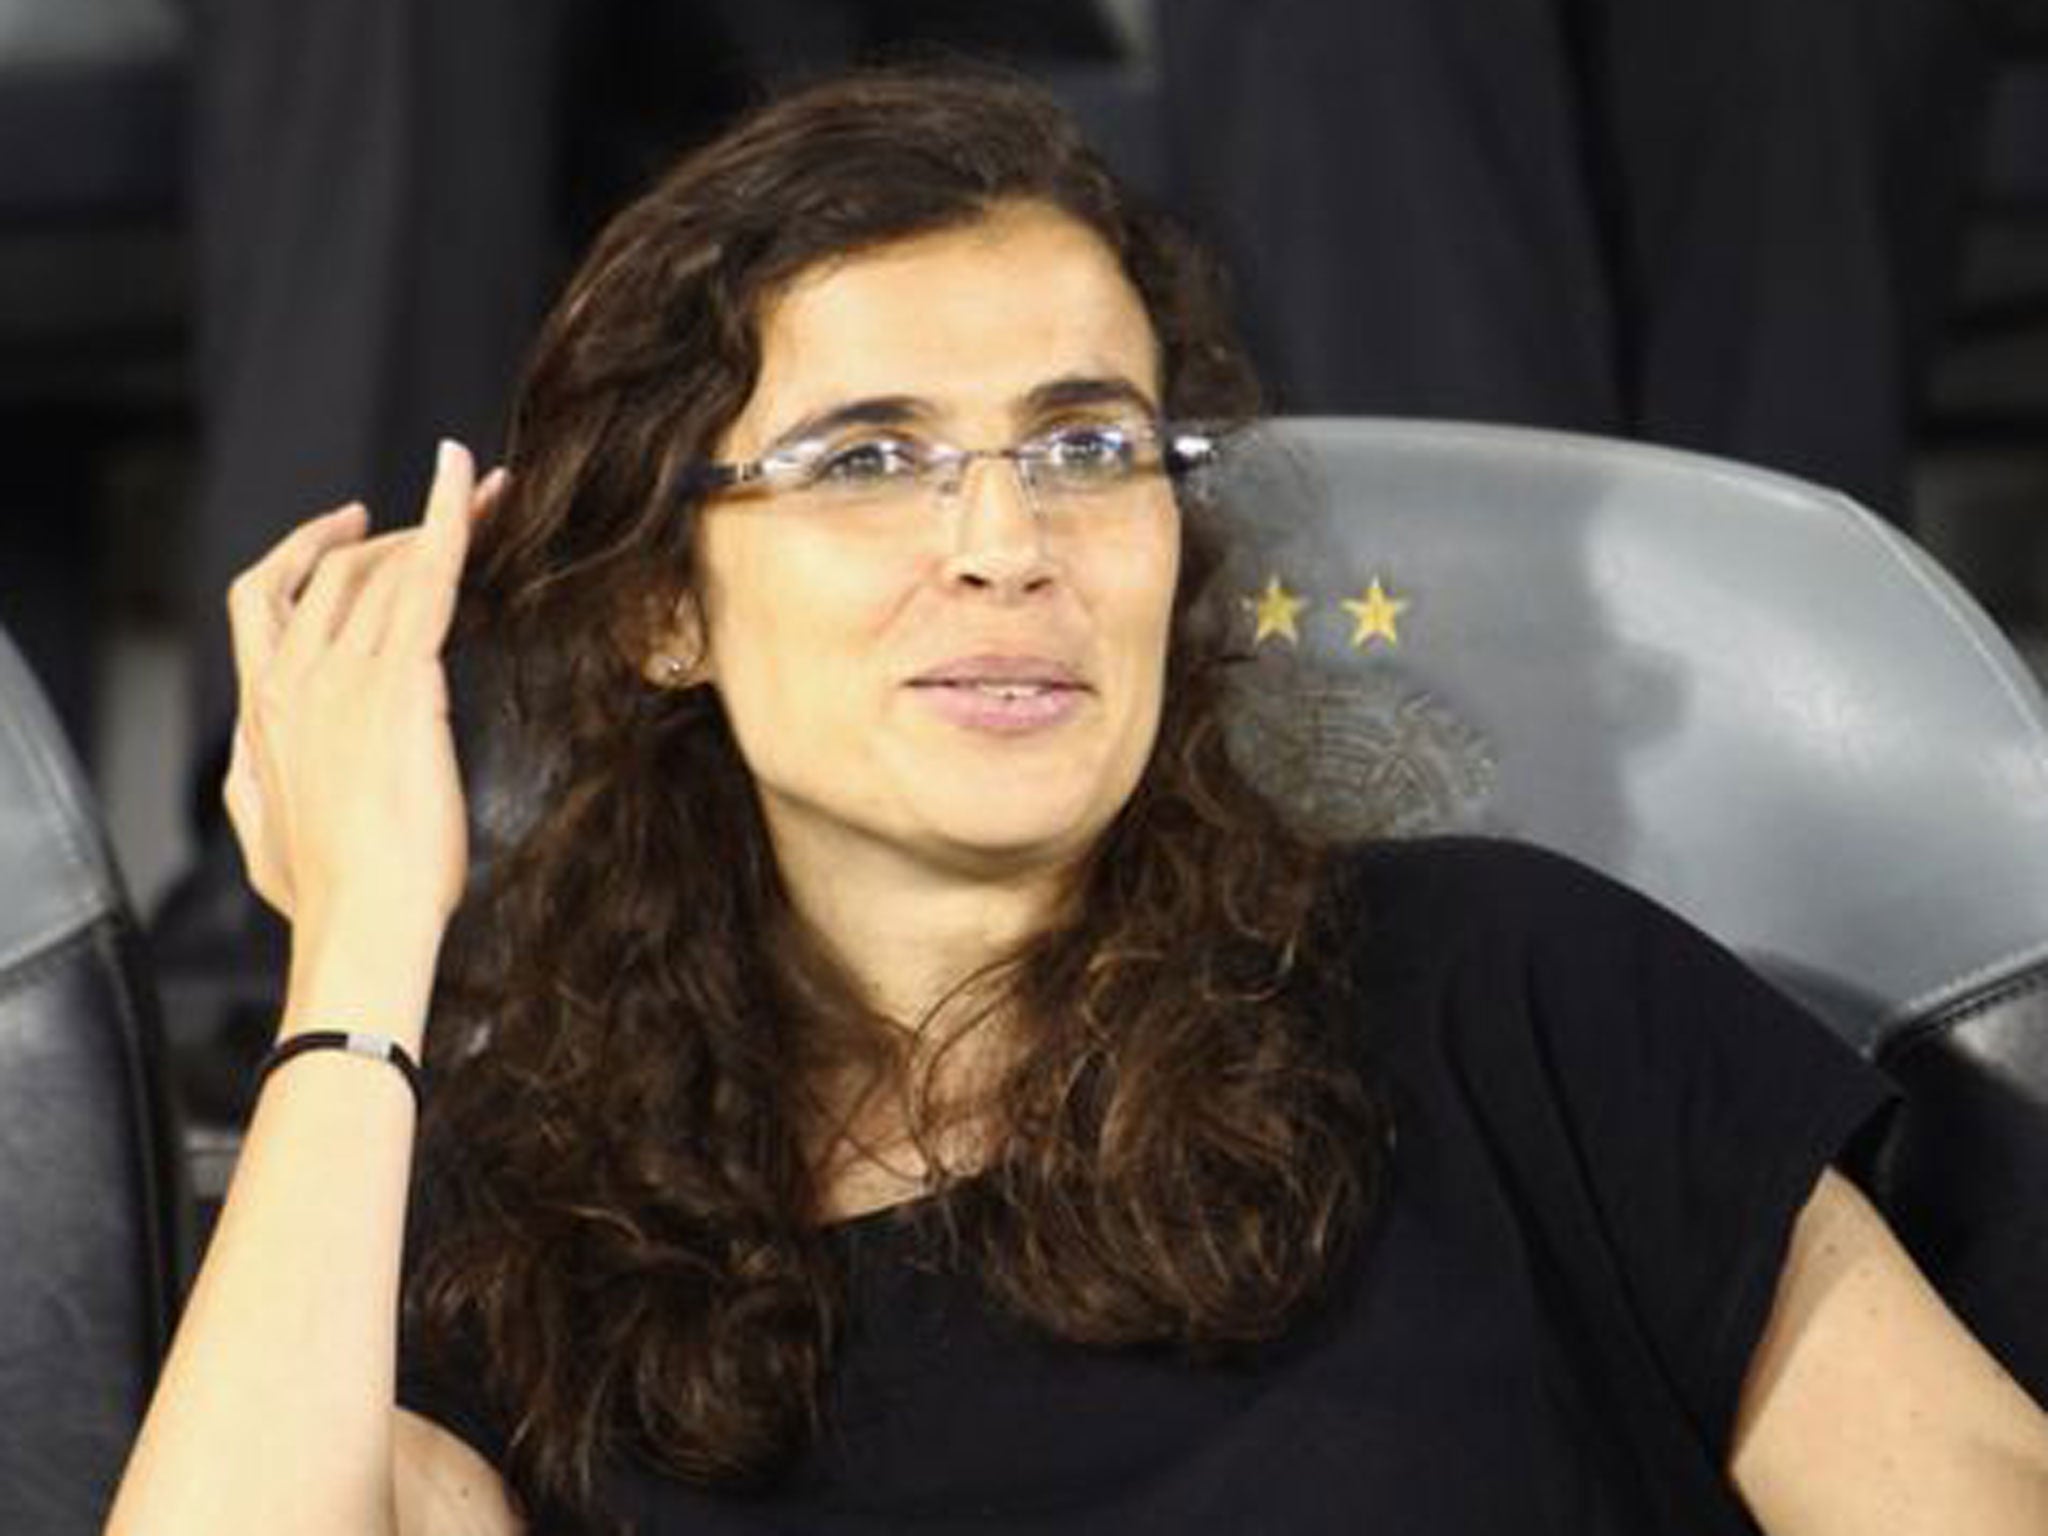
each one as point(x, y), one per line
point(898, 1074)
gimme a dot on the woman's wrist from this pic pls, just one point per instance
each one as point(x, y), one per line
point(362, 971)
point(358, 1043)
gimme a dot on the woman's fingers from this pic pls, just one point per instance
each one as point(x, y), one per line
point(326, 615)
point(425, 603)
point(488, 490)
point(371, 622)
point(261, 599)
point(325, 586)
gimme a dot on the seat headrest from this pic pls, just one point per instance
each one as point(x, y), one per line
point(1741, 693)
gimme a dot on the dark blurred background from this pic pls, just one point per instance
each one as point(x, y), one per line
point(255, 255)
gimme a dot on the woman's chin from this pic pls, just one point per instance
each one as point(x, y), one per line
point(998, 840)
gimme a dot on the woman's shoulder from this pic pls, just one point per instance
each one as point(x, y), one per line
point(1466, 857)
point(1464, 884)
point(1529, 922)
point(1500, 946)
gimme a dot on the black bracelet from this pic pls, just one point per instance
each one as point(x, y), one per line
point(376, 1047)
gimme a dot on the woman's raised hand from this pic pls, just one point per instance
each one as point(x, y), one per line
point(342, 786)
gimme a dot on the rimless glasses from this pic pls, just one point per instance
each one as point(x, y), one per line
point(1067, 464)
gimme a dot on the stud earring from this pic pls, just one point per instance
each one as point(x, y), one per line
point(672, 670)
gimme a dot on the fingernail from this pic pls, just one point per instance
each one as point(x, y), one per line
point(444, 455)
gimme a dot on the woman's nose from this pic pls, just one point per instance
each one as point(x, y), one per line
point(997, 532)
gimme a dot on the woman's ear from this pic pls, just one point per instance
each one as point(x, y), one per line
point(676, 658)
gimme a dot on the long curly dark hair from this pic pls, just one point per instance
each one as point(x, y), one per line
point(618, 1212)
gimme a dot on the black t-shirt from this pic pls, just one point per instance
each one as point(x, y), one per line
point(1606, 1127)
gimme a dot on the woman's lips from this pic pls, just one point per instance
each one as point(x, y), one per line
point(1003, 667)
point(1002, 706)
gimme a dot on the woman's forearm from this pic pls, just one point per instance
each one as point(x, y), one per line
point(274, 1412)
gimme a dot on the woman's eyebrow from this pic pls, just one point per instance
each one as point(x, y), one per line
point(874, 411)
point(1059, 394)
point(1080, 389)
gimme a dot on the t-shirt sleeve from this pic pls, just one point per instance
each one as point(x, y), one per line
point(443, 1379)
point(1694, 1106)
point(452, 1397)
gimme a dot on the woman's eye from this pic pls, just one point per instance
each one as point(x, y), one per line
point(871, 462)
point(1091, 453)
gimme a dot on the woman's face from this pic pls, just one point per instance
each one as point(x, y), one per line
point(973, 682)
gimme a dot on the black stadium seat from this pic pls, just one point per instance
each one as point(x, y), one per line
point(93, 1209)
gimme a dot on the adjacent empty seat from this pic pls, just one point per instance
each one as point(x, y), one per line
point(92, 1204)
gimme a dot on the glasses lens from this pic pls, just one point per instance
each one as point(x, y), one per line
point(1083, 459)
point(873, 468)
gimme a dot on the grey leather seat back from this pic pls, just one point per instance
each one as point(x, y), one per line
point(91, 1190)
point(1737, 692)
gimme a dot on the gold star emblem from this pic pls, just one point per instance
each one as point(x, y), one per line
point(1276, 609)
point(1378, 616)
